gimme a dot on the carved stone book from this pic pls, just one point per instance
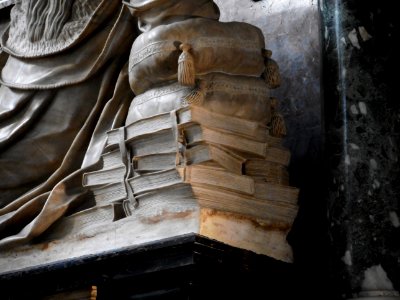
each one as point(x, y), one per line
point(273, 172)
point(109, 193)
point(217, 177)
point(104, 176)
point(153, 181)
point(225, 200)
point(240, 126)
point(225, 158)
point(276, 153)
point(154, 162)
point(207, 177)
point(197, 134)
point(275, 192)
point(143, 127)
point(87, 220)
point(111, 159)
point(190, 115)
point(163, 141)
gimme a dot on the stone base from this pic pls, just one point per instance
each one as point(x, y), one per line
point(184, 267)
point(246, 233)
point(95, 233)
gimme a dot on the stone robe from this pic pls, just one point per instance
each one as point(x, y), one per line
point(58, 97)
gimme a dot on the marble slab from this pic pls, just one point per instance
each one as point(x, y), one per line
point(80, 239)
point(96, 239)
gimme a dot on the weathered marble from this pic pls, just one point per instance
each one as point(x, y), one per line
point(246, 233)
point(153, 221)
point(92, 232)
point(150, 224)
point(52, 106)
point(362, 122)
point(5, 3)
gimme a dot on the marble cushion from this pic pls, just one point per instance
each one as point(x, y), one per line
point(238, 96)
point(232, 48)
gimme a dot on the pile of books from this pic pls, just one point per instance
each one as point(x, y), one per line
point(203, 135)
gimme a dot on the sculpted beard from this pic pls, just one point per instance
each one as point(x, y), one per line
point(46, 18)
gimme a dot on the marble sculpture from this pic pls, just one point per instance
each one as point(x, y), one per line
point(107, 105)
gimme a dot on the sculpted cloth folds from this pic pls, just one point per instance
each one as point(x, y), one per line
point(61, 89)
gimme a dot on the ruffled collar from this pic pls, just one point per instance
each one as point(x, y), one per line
point(86, 15)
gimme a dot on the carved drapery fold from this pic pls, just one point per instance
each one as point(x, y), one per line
point(50, 110)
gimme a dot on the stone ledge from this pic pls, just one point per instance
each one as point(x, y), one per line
point(75, 238)
point(191, 264)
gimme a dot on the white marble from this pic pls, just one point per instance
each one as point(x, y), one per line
point(5, 3)
point(149, 224)
point(128, 232)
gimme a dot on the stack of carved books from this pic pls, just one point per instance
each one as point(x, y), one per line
point(202, 126)
point(230, 163)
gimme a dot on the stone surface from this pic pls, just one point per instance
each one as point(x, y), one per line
point(246, 233)
point(150, 223)
point(291, 31)
point(166, 213)
point(41, 107)
point(362, 141)
point(5, 3)
point(237, 50)
point(186, 266)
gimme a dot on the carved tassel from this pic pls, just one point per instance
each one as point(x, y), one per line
point(186, 70)
point(278, 126)
point(271, 74)
point(196, 97)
